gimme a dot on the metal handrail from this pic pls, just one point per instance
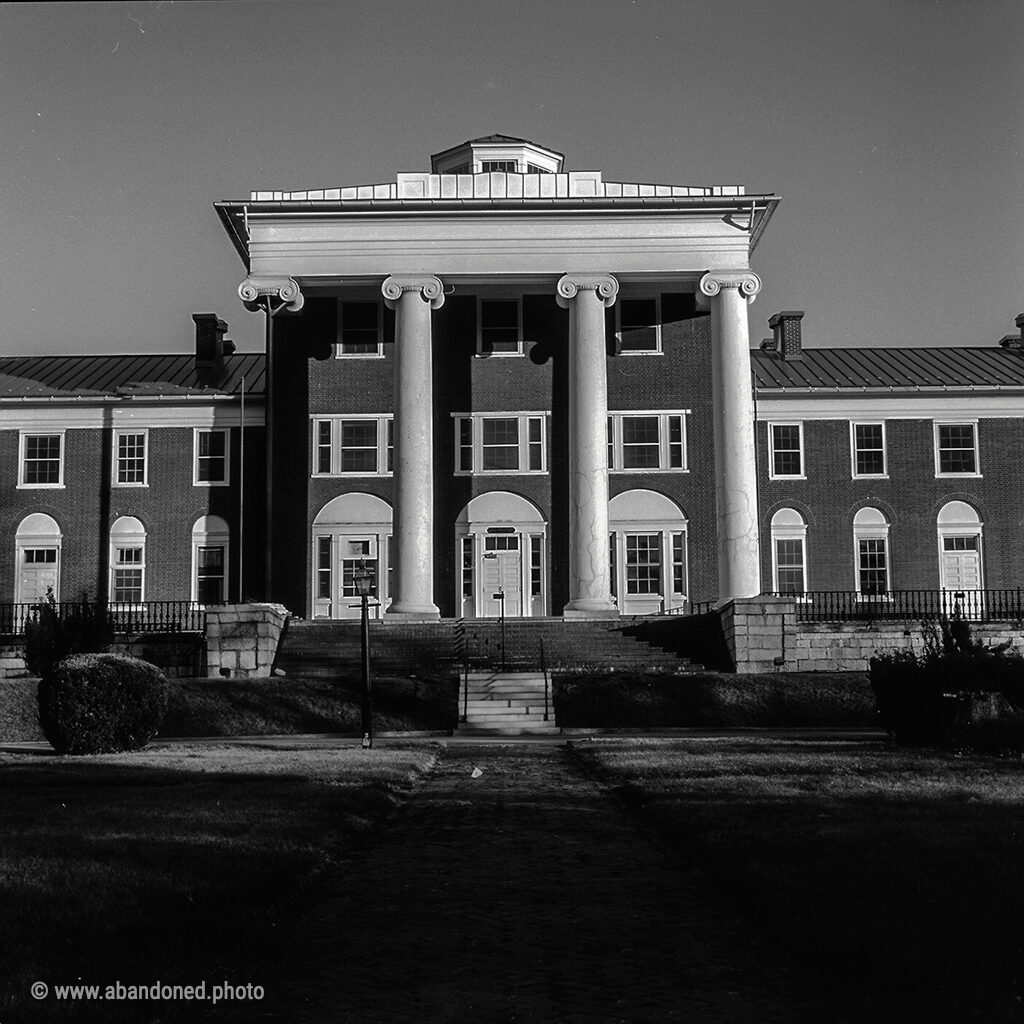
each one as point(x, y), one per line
point(123, 617)
point(1005, 605)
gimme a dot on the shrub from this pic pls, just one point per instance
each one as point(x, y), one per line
point(55, 633)
point(101, 703)
point(945, 695)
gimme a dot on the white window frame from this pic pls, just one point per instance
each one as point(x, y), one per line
point(196, 482)
point(480, 300)
point(379, 354)
point(789, 532)
point(615, 419)
point(523, 419)
point(116, 459)
point(22, 444)
point(884, 475)
point(381, 419)
point(973, 424)
point(657, 350)
point(125, 539)
point(211, 539)
point(872, 531)
point(772, 475)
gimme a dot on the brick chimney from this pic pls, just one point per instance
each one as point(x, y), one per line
point(786, 326)
point(1015, 342)
point(211, 345)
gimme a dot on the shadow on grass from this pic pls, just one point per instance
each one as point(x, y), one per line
point(170, 871)
point(890, 875)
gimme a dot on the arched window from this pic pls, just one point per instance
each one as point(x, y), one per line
point(871, 551)
point(789, 552)
point(127, 561)
point(210, 544)
point(960, 562)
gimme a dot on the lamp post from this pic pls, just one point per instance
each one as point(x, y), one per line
point(363, 580)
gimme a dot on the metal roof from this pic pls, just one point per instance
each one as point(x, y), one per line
point(889, 369)
point(127, 376)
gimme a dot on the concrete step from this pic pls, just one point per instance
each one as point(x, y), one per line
point(521, 710)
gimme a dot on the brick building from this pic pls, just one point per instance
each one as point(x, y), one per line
point(499, 377)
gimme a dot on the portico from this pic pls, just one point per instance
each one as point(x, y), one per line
point(531, 230)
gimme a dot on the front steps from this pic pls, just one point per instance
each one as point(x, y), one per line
point(504, 704)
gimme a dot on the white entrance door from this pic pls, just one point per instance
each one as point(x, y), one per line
point(501, 571)
point(353, 552)
point(36, 573)
point(961, 563)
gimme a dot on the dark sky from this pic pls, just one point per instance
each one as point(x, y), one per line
point(892, 128)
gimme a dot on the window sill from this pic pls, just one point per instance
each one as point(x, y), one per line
point(358, 355)
point(870, 476)
point(958, 476)
point(787, 477)
point(501, 472)
point(499, 355)
point(650, 469)
point(211, 483)
point(40, 487)
point(130, 486)
point(650, 352)
point(346, 476)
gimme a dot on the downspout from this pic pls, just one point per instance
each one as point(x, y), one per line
point(241, 495)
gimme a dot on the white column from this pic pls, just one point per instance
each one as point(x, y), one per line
point(739, 560)
point(412, 298)
point(586, 296)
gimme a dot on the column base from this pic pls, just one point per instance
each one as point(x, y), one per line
point(590, 609)
point(408, 612)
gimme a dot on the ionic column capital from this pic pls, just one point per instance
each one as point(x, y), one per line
point(570, 285)
point(746, 281)
point(284, 289)
point(430, 288)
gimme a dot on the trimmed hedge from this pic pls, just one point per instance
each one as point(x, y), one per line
point(56, 633)
point(101, 704)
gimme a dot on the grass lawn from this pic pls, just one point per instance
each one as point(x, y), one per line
point(160, 865)
point(718, 700)
point(895, 875)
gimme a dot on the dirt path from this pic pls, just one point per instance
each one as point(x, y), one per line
point(524, 894)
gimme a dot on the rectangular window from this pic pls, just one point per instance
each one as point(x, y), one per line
point(536, 579)
point(359, 330)
point(786, 457)
point(789, 565)
point(358, 446)
point(211, 458)
point(643, 563)
point(467, 568)
point(345, 446)
point(960, 543)
point(509, 443)
point(639, 326)
point(647, 442)
point(500, 327)
point(956, 449)
point(679, 563)
point(40, 556)
point(323, 568)
point(508, 166)
point(872, 565)
point(42, 463)
point(210, 574)
point(613, 562)
point(126, 584)
point(869, 449)
point(130, 453)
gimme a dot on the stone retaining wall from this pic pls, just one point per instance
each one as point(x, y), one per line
point(763, 635)
point(242, 639)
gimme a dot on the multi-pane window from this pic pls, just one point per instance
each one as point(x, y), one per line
point(643, 563)
point(210, 573)
point(789, 565)
point(126, 571)
point(359, 329)
point(500, 327)
point(211, 457)
point(786, 455)
point(872, 565)
point(639, 327)
point(653, 441)
point(130, 458)
point(956, 447)
point(871, 549)
point(41, 460)
point(323, 568)
point(508, 166)
point(536, 572)
point(678, 563)
point(352, 446)
point(869, 449)
point(512, 443)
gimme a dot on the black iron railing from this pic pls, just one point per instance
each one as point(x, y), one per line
point(906, 605)
point(146, 617)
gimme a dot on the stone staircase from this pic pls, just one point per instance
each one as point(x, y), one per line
point(12, 663)
point(504, 704)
